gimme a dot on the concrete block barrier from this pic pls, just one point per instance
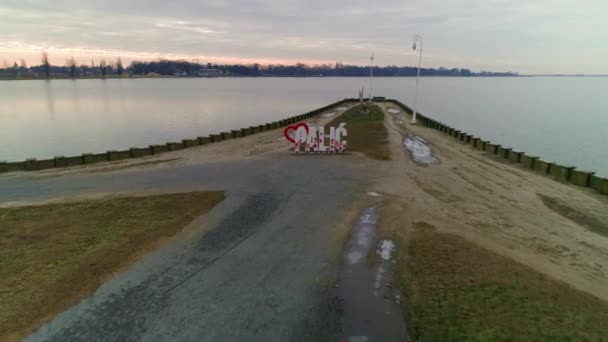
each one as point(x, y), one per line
point(528, 161)
point(226, 135)
point(87, 158)
point(216, 137)
point(489, 147)
point(514, 157)
point(580, 177)
point(136, 152)
point(74, 160)
point(236, 134)
point(476, 142)
point(503, 152)
point(189, 142)
point(45, 164)
point(100, 157)
point(561, 172)
point(604, 186)
point(158, 149)
point(15, 166)
point(30, 164)
point(118, 155)
point(60, 161)
point(542, 166)
point(598, 183)
point(203, 140)
point(174, 146)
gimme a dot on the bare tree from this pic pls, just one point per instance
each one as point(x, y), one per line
point(23, 64)
point(119, 68)
point(16, 70)
point(46, 65)
point(73, 67)
point(103, 67)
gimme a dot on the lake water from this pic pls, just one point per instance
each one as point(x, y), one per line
point(561, 119)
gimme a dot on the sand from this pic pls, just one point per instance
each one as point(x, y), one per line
point(498, 206)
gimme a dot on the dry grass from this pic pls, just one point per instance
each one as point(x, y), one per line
point(52, 255)
point(459, 291)
point(366, 131)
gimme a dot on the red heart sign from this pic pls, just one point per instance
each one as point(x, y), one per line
point(295, 128)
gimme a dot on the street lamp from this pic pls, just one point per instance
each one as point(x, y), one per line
point(371, 76)
point(417, 38)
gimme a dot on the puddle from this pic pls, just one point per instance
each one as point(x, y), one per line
point(371, 306)
point(419, 150)
point(386, 249)
point(328, 115)
point(374, 194)
point(394, 110)
point(339, 109)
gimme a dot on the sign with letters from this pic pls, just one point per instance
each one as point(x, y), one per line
point(311, 140)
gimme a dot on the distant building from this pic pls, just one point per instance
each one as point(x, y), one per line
point(209, 73)
point(180, 74)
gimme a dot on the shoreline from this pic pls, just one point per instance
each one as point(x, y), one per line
point(559, 172)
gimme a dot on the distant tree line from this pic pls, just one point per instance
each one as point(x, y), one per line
point(168, 67)
point(103, 68)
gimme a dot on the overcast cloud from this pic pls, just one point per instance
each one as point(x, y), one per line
point(548, 36)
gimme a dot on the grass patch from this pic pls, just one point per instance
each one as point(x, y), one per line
point(459, 291)
point(366, 131)
point(52, 255)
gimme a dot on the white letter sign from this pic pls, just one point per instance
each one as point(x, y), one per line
point(310, 139)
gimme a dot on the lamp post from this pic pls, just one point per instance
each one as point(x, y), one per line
point(371, 76)
point(417, 38)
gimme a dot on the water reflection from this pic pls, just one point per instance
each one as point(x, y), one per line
point(50, 99)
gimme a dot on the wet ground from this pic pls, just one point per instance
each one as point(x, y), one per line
point(419, 149)
point(370, 303)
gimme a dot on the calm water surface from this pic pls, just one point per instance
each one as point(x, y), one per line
point(562, 119)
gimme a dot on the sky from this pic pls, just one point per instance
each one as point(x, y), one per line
point(525, 36)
